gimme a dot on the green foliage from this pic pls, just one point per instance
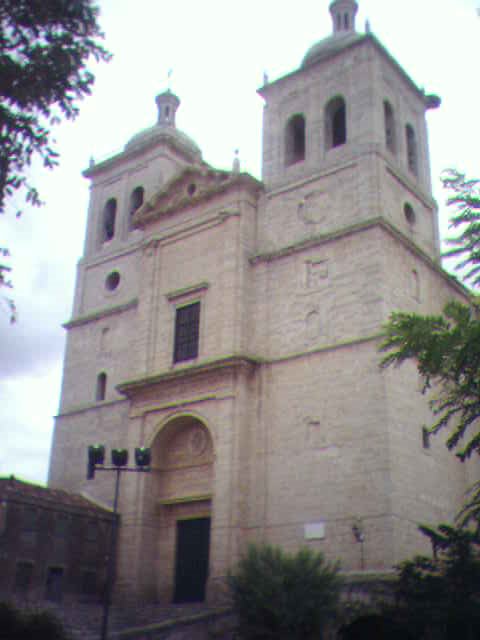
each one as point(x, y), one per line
point(446, 348)
point(44, 48)
point(447, 352)
point(283, 596)
point(466, 244)
point(442, 594)
point(20, 625)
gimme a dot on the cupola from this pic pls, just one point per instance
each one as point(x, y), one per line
point(343, 15)
point(165, 129)
point(167, 105)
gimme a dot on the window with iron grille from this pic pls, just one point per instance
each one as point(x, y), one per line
point(23, 577)
point(187, 324)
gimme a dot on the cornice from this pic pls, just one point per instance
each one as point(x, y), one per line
point(90, 406)
point(126, 155)
point(378, 222)
point(185, 291)
point(101, 313)
point(130, 387)
point(368, 38)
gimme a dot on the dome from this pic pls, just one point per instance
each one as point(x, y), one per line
point(165, 129)
point(159, 133)
point(330, 46)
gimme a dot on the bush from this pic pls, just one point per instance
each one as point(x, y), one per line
point(283, 596)
point(37, 625)
point(442, 593)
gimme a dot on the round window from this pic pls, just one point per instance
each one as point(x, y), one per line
point(409, 213)
point(112, 281)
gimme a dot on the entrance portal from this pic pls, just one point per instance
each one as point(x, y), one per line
point(191, 562)
point(179, 500)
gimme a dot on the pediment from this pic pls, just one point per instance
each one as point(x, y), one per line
point(192, 185)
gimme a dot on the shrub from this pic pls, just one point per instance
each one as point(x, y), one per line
point(38, 625)
point(283, 596)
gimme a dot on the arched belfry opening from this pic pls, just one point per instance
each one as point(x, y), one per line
point(136, 200)
point(295, 140)
point(412, 156)
point(389, 119)
point(179, 501)
point(108, 220)
point(335, 123)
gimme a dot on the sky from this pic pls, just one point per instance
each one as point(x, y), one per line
point(218, 51)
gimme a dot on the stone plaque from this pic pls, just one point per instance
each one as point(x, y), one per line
point(315, 531)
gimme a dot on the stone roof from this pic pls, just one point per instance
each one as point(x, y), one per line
point(158, 133)
point(330, 46)
point(12, 489)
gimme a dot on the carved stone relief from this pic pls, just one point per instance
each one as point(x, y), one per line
point(316, 436)
point(316, 274)
point(313, 207)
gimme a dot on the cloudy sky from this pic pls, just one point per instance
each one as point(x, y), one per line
point(218, 50)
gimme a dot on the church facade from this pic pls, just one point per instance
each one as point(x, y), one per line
point(233, 326)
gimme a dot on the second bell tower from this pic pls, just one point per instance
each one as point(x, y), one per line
point(346, 133)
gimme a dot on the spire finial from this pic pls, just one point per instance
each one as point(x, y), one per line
point(236, 162)
point(343, 14)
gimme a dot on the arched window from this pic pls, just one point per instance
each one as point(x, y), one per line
point(389, 127)
point(295, 140)
point(335, 122)
point(410, 216)
point(108, 220)
point(346, 22)
point(136, 201)
point(412, 159)
point(101, 388)
point(415, 284)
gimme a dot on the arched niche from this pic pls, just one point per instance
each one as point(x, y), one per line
point(182, 456)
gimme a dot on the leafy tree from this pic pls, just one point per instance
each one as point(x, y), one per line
point(283, 596)
point(45, 46)
point(465, 245)
point(439, 597)
point(446, 347)
point(447, 352)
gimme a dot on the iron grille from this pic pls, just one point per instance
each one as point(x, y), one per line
point(187, 323)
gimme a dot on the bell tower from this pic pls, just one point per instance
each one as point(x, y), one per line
point(347, 132)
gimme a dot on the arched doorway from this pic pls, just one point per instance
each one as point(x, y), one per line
point(373, 627)
point(181, 489)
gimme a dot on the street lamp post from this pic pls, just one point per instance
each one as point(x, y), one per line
point(96, 462)
point(359, 535)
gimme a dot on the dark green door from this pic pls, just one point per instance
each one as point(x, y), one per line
point(191, 563)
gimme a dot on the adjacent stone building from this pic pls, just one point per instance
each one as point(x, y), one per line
point(232, 325)
point(53, 544)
